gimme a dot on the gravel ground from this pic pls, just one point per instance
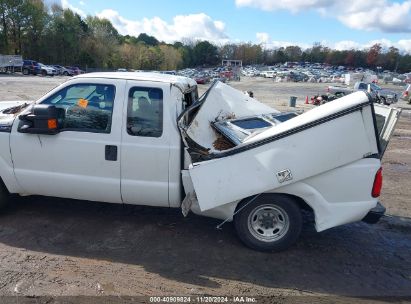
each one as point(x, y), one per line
point(54, 247)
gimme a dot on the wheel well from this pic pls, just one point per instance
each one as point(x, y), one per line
point(301, 203)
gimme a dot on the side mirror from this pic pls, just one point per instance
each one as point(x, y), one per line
point(43, 119)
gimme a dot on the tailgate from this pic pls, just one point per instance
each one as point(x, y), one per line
point(386, 119)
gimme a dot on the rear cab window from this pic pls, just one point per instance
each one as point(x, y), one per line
point(145, 112)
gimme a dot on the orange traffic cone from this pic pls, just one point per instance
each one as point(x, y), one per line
point(306, 100)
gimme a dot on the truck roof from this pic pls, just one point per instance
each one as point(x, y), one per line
point(183, 83)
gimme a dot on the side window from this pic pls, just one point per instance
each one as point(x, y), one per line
point(145, 112)
point(362, 86)
point(87, 107)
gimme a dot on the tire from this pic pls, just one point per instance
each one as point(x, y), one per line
point(65, 73)
point(255, 222)
point(4, 197)
point(44, 73)
point(26, 72)
point(383, 101)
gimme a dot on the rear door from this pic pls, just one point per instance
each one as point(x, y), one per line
point(386, 119)
point(145, 144)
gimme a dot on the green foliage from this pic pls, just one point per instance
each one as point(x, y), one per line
point(205, 53)
point(148, 40)
point(60, 36)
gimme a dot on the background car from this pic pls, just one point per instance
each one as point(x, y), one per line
point(406, 95)
point(31, 67)
point(202, 78)
point(63, 70)
point(47, 70)
point(75, 70)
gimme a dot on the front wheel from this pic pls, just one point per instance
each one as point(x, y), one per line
point(272, 222)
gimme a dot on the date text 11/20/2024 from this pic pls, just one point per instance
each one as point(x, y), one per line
point(203, 299)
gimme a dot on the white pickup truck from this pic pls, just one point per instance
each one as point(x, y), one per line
point(147, 139)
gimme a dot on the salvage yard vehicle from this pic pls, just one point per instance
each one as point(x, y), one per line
point(10, 63)
point(31, 67)
point(406, 94)
point(147, 139)
point(268, 74)
point(47, 70)
point(75, 70)
point(61, 70)
point(383, 96)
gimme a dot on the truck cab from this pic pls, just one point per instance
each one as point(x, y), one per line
point(148, 139)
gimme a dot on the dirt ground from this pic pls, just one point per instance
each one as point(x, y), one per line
point(54, 247)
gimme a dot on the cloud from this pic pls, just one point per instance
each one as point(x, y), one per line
point(194, 26)
point(268, 43)
point(263, 37)
point(346, 45)
point(290, 5)
point(403, 45)
point(66, 5)
point(382, 16)
point(367, 15)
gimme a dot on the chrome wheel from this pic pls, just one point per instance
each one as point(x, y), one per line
point(268, 223)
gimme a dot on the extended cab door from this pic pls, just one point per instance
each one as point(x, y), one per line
point(82, 161)
point(386, 119)
point(145, 144)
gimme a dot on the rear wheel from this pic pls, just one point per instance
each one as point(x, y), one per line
point(65, 73)
point(270, 223)
point(383, 101)
point(25, 72)
point(44, 73)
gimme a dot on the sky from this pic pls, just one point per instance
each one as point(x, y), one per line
point(339, 24)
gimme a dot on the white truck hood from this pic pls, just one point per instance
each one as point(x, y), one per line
point(9, 110)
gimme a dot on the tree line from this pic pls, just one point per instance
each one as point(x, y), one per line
point(55, 35)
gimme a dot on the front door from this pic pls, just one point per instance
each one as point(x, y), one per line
point(83, 160)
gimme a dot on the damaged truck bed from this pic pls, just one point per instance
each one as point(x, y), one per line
point(328, 156)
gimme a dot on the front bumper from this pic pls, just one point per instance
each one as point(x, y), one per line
point(374, 215)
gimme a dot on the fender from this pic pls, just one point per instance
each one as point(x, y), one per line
point(6, 164)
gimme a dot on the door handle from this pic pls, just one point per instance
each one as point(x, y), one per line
point(111, 153)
